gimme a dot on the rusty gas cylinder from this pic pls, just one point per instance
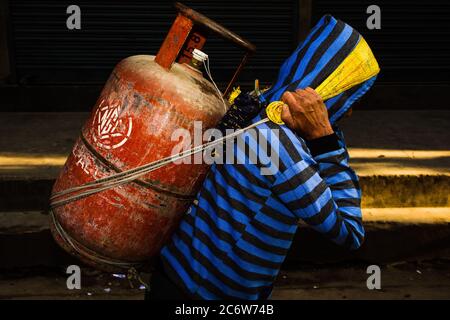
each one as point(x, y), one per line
point(144, 101)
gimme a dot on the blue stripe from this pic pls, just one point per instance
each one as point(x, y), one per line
point(190, 284)
point(315, 207)
point(274, 224)
point(327, 224)
point(264, 237)
point(288, 64)
point(210, 256)
point(244, 182)
point(304, 63)
point(346, 193)
point(358, 94)
point(280, 208)
point(201, 270)
point(260, 253)
point(220, 223)
point(226, 248)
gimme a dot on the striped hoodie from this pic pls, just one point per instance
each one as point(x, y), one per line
point(232, 241)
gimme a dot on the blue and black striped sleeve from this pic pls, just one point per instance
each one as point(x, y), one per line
point(324, 191)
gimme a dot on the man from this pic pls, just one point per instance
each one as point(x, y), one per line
point(233, 241)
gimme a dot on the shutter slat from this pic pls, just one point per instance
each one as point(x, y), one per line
point(46, 52)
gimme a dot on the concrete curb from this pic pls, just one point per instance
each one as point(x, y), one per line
point(392, 234)
point(378, 192)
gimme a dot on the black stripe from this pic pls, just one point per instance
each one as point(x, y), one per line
point(350, 217)
point(212, 269)
point(242, 169)
point(262, 144)
point(203, 237)
point(336, 229)
point(222, 235)
point(343, 185)
point(263, 245)
point(295, 181)
point(332, 64)
point(226, 216)
point(322, 215)
point(286, 142)
point(352, 232)
point(175, 277)
point(301, 55)
point(355, 232)
point(340, 102)
point(196, 277)
point(324, 46)
point(337, 59)
point(235, 203)
point(230, 180)
point(274, 214)
point(342, 99)
point(348, 202)
point(309, 198)
point(245, 255)
point(332, 170)
point(241, 143)
point(323, 145)
point(221, 213)
point(271, 231)
point(348, 243)
point(252, 258)
point(334, 159)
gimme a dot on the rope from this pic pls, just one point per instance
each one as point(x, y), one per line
point(117, 179)
point(63, 234)
point(208, 72)
point(132, 272)
point(132, 174)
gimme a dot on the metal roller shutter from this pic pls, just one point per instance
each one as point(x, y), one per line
point(45, 52)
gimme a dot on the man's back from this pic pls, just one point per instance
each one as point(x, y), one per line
point(231, 244)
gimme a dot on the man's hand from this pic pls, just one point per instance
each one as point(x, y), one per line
point(306, 114)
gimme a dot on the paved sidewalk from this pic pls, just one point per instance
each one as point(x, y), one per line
point(428, 279)
point(35, 145)
point(402, 157)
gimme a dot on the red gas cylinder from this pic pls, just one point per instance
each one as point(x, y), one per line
point(145, 99)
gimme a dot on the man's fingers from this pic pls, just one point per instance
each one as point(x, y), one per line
point(292, 100)
point(288, 97)
point(286, 116)
point(304, 96)
point(313, 93)
point(301, 93)
point(314, 98)
point(308, 93)
point(310, 90)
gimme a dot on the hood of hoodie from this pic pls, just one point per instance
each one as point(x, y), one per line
point(323, 51)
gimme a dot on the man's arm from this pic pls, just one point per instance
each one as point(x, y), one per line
point(323, 190)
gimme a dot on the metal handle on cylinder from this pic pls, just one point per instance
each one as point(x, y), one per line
point(180, 31)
